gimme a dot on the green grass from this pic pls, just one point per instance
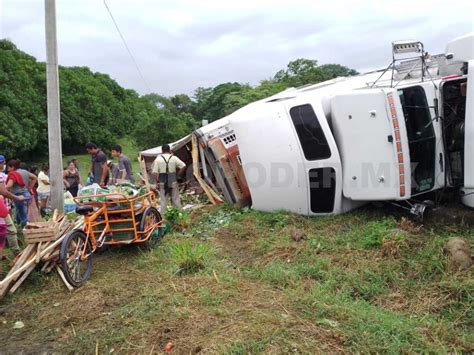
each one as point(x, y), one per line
point(236, 282)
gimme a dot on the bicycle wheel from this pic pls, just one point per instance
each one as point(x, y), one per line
point(150, 217)
point(76, 270)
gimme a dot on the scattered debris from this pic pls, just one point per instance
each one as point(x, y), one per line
point(44, 240)
point(298, 235)
point(18, 325)
point(459, 253)
point(168, 347)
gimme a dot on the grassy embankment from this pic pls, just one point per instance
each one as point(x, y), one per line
point(235, 281)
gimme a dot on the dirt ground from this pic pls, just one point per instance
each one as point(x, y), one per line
point(258, 290)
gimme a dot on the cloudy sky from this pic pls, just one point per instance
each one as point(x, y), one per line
point(180, 45)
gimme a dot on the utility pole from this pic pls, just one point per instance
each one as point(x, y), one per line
point(54, 119)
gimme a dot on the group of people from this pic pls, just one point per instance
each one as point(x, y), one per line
point(22, 187)
point(105, 172)
point(16, 184)
point(25, 189)
point(166, 169)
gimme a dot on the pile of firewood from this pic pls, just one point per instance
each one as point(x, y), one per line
point(44, 241)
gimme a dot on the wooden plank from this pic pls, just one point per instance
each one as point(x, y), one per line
point(211, 194)
point(37, 256)
point(146, 179)
point(37, 240)
point(26, 265)
point(50, 267)
point(144, 174)
point(22, 279)
point(28, 259)
point(55, 215)
point(25, 255)
point(45, 266)
point(40, 231)
point(46, 245)
point(60, 272)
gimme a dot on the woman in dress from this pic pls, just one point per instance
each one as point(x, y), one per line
point(72, 179)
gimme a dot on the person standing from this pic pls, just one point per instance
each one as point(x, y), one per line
point(98, 170)
point(44, 188)
point(12, 237)
point(72, 178)
point(34, 190)
point(20, 182)
point(75, 162)
point(114, 172)
point(124, 165)
point(3, 227)
point(166, 169)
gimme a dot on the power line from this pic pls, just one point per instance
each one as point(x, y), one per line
point(126, 46)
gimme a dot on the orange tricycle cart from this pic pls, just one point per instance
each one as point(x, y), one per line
point(109, 219)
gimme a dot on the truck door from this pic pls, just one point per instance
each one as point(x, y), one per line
point(322, 165)
point(370, 133)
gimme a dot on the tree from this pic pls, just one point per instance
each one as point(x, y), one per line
point(93, 106)
point(182, 103)
point(306, 71)
point(210, 103)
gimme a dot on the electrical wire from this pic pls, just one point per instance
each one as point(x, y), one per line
point(126, 47)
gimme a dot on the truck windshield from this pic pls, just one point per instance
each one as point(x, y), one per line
point(421, 138)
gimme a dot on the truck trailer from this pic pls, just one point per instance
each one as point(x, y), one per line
point(391, 135)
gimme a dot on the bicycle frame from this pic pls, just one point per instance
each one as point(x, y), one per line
point(100, 223)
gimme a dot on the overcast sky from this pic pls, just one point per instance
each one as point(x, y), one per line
point(181, 45)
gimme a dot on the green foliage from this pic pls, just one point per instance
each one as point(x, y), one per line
point(189, 257)
point(96, 108)
point(174, 215)
point(160, 122)
point(374, 232)
point(306, 71)
point(214, 103)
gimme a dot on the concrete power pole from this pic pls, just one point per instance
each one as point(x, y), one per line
point(54, 119)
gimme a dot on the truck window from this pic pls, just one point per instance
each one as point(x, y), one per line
point(322, 185)
point(421, 138)
point(454, 117)
point(311, 136)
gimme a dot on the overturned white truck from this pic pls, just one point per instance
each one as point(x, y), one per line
point(388, 135)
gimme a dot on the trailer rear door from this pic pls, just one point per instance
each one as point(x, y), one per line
point(370, 133)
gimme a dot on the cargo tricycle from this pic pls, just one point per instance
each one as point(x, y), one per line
point(109, 219)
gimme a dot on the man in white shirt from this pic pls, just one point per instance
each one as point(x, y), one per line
point(166, 168)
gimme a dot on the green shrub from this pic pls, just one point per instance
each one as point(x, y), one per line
point(190, 258)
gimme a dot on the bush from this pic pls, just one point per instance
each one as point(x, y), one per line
point(190, 258)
